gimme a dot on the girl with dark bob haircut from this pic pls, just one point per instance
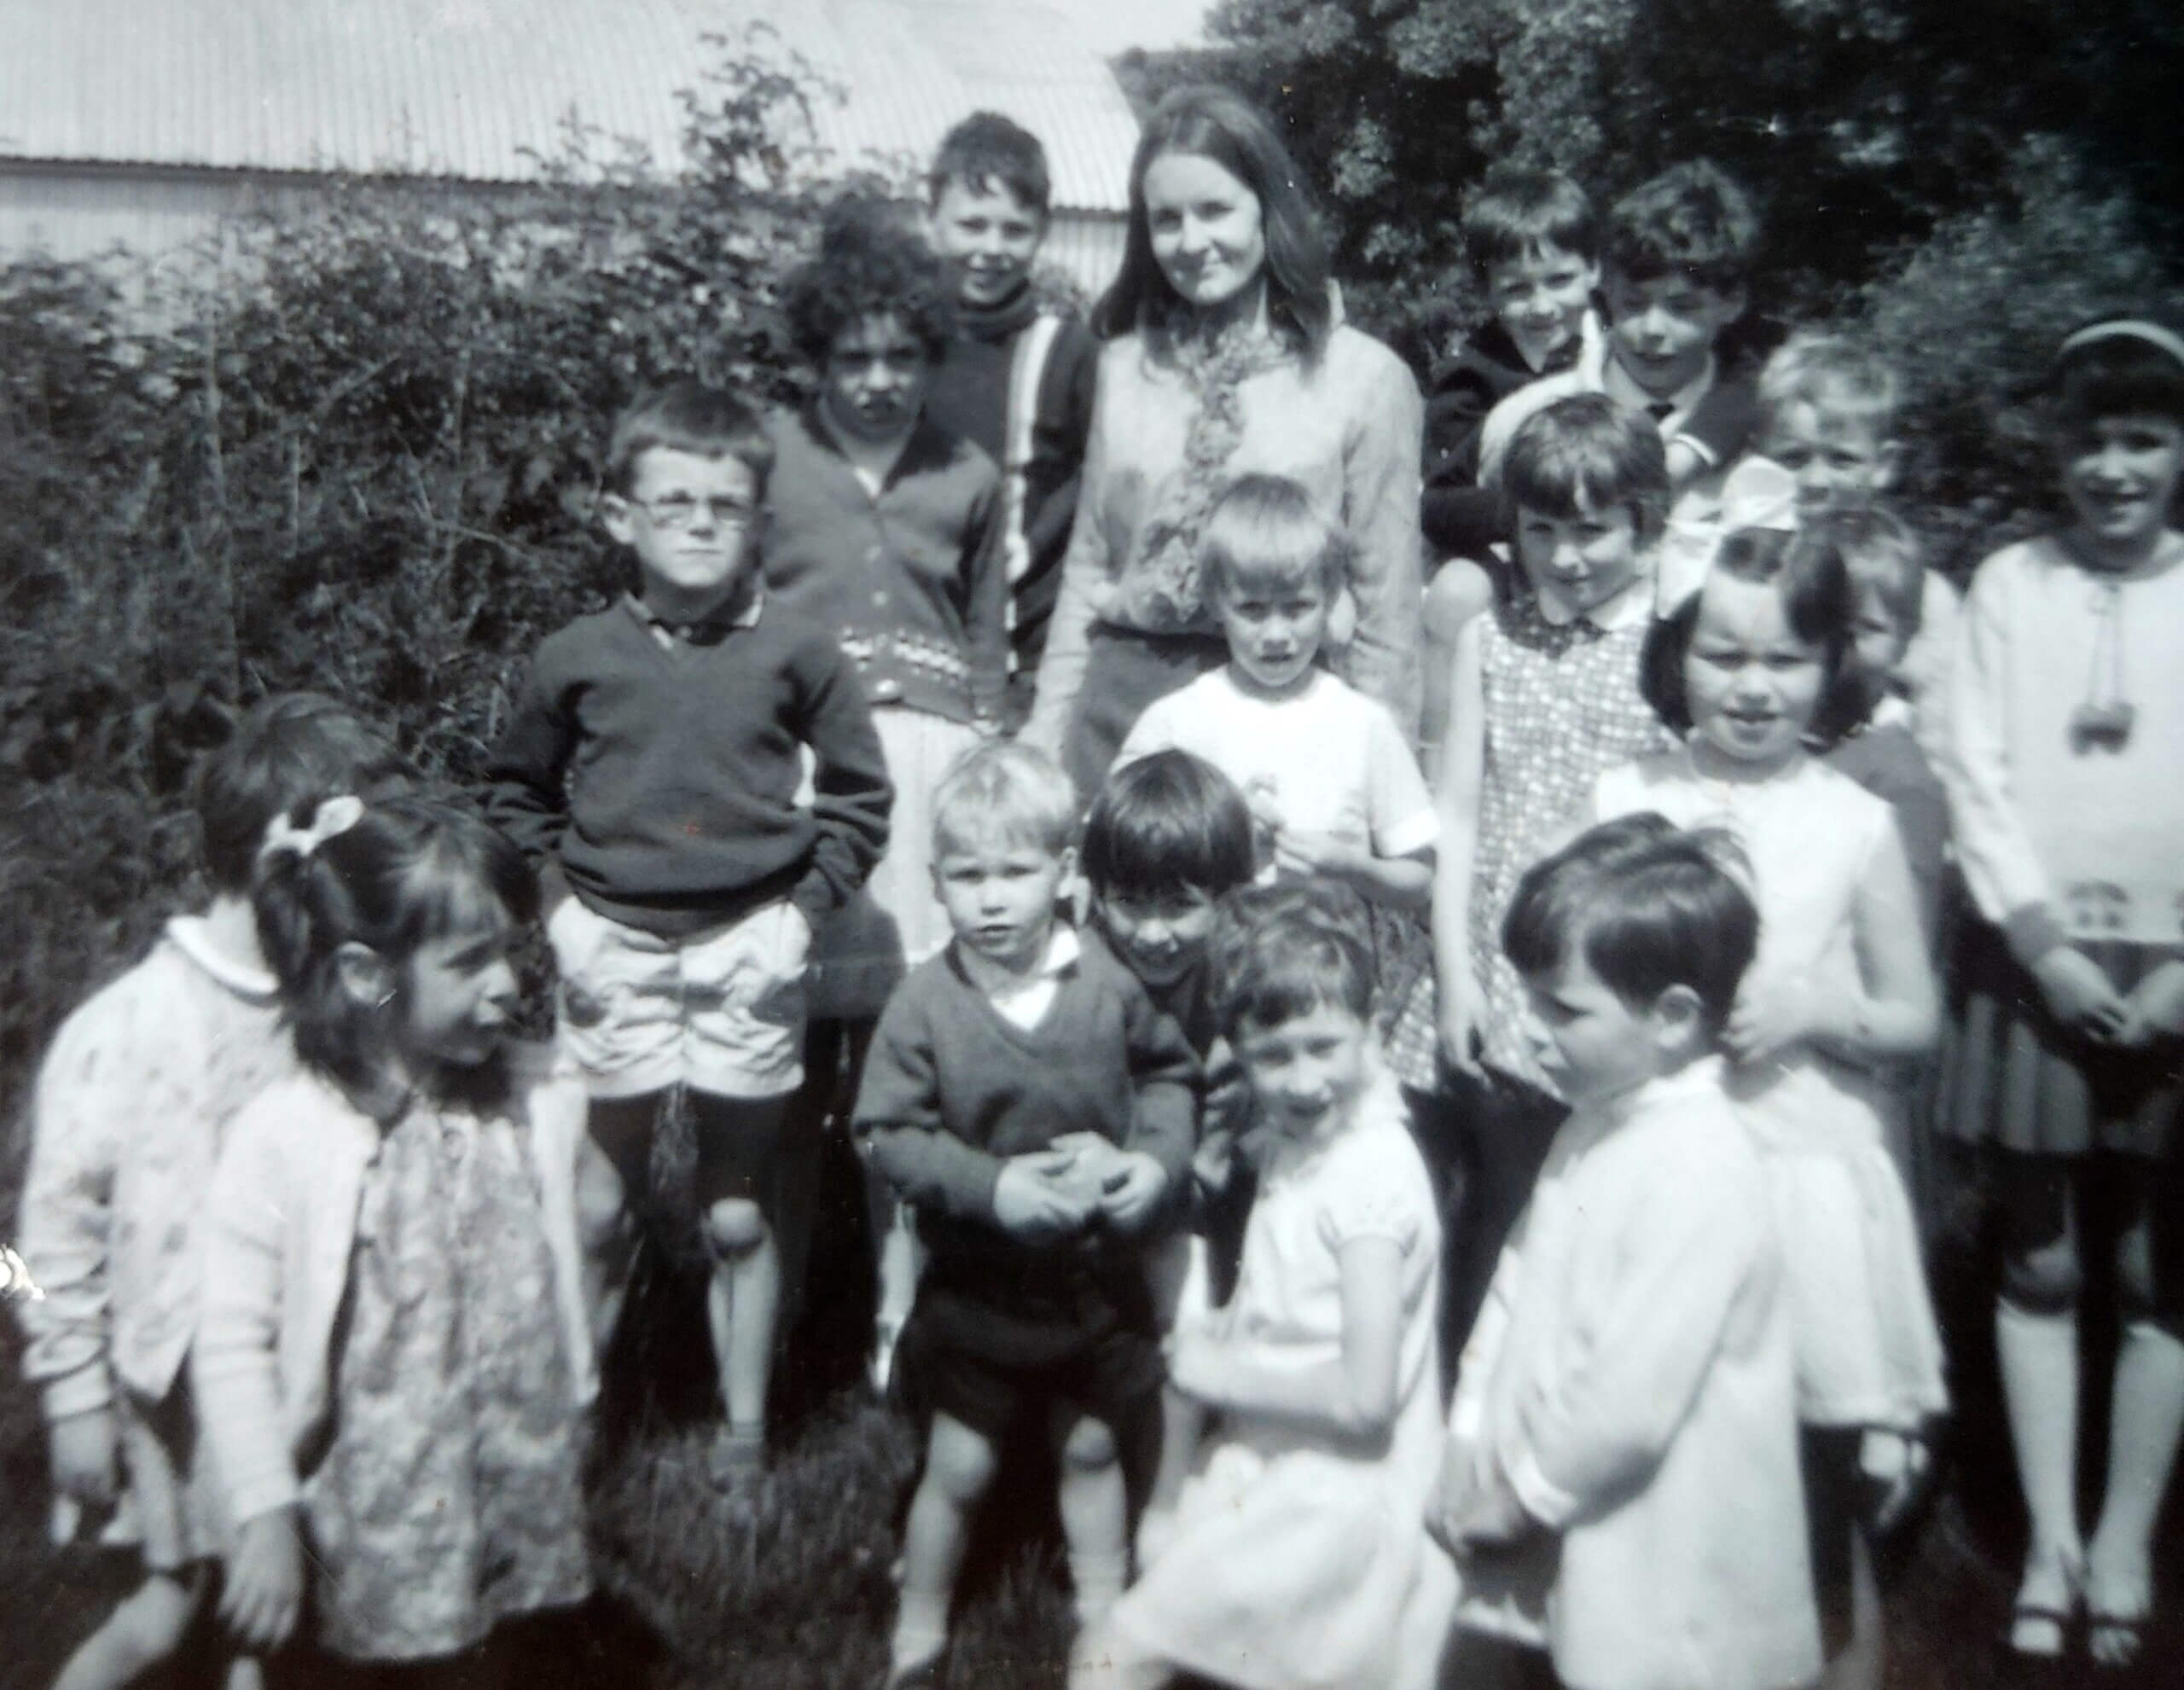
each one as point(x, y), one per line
point(1819, 600)
point(1213, 123)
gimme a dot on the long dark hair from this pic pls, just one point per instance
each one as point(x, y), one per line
point(409, 870)
point(1213, 123)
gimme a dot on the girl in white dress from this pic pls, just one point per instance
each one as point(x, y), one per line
point(1750, 669)
point(1288, 1549)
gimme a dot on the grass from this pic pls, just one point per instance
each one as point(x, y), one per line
point(788, 1586)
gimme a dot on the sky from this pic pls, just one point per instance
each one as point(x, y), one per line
point(1113, 25)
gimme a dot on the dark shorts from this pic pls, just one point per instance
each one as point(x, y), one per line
point(988, 1362)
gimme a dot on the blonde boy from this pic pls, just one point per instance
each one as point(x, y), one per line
point(1828, 410)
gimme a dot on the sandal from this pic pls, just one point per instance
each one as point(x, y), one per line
point(2115, 1631)
point(2040, 1624)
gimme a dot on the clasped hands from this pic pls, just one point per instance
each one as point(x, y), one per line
point(1079, 1180)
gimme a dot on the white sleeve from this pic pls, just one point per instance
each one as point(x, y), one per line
point(1401, 810)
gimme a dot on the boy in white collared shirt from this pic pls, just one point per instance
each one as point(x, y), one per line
point(1620, 1484)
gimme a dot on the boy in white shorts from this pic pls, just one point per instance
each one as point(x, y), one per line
point(653, 762)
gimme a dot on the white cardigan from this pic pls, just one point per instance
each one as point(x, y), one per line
point(279, 1227)
point(1632, 1376)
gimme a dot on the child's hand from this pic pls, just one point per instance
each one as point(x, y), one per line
point(1686, 463)
point(82, 1449)
point(2155, 1009)
point(265, 1582)
point(1213, 1165)
point(2078, 994)
point(1131, 1195)
point(1770, 1016)
point(1297, 851)
point(1462, 1032)
point(1894, 1466)
point(1031, 1201)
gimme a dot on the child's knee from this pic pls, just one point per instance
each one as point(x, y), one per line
point(2046, 1280)
point(959, 1462)
point(1089, 1446)
point(150, 1623)
point(602, 1209)
point(734, 1227)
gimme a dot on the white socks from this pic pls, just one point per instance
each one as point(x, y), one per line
point(2149, 1412)
point(2039, 1356)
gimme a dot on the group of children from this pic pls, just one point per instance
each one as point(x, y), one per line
point(1188, 1144)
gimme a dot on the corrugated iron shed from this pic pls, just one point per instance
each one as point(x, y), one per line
point(472, 88)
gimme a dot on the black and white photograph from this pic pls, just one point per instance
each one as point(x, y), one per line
point(1091, 844)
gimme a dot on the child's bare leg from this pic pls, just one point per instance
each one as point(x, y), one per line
point(1106, 1659)
point(245, 1672)
point(144, 1630)
point(1863, 1659)
point(614, 1173)
point(959, 1465)
point(1094, 1515)
point(738, 1142)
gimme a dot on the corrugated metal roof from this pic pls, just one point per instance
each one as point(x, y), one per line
point(465, 88)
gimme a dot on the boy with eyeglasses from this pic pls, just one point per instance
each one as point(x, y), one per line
point(652, 765)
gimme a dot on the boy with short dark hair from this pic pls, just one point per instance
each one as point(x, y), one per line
point(1620, 1485)
point(1017, 376)
point(652, 763)
point(1676, 261)
point(1024, 1095)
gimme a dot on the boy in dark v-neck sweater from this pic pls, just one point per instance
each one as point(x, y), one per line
point(1026, 1097)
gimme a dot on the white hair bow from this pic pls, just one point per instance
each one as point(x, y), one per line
point(332, 816)
point(1759, 493)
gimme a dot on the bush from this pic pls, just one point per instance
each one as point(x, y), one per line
point(356, 456)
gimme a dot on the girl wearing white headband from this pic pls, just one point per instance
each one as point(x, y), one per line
point(2066, 738)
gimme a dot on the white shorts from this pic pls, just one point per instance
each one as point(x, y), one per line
point(721, 1011)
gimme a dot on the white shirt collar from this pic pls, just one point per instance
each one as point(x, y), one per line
point(1627, 393)
point(189, 935)
point(1628, 608)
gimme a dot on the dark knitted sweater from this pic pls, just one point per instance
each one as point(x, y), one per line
point(952, 1089)
point(663, 782)
point(969, 397)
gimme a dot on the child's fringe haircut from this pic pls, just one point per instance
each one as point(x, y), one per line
point(1265, 528)
point(988, 149)
point(1648, 907)
point(1164, 824)
point(1818, 602)
point(1835, 375)
point(1517, 211)
point(687, 416)
point(1003, 790)
point(410, 870)
point(1588, 453)
point(1283, 951)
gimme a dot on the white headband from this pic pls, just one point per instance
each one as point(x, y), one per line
point(2125, 329)
point(333, 816)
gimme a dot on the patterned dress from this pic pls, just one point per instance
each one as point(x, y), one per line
point(448, 1499)
point(1561, 704)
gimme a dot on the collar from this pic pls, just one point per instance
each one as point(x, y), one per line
point(1064, 948)
point(190, 936)
point(1669, 1092)
point(705, 630)
point(1628, 608)
point(1628, 394)
point(1002, 318)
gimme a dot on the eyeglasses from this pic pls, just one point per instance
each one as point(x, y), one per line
point(679, 510)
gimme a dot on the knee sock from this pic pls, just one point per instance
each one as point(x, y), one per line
point(2039, 1357)
point(2148, 1413)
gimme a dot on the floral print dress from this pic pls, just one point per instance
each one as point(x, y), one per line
point(448, 1498)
